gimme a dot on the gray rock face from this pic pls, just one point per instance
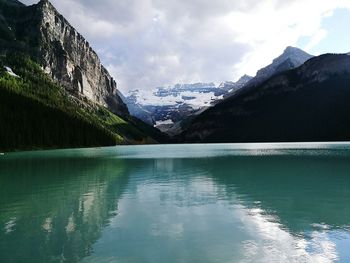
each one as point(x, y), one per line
point(291, 58)
point(68, 58)
point(63, 53)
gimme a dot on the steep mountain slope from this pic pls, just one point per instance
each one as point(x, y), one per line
point(309, 103)
point(292, 57)
point(39, 30)
point(37, 113)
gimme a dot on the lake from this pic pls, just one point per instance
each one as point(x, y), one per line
point(177, 203)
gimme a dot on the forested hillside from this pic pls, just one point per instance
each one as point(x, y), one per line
point(35, 112)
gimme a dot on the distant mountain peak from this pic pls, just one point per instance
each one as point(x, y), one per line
point(292, 57)
point(46, 4)
point(296, 55)
point(42, 2)
point(292, 49)
point(244, 79)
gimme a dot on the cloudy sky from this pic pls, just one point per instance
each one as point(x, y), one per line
point(151, 43)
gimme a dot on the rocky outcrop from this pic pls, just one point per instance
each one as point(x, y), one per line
point(63, 53)
point(68, 58)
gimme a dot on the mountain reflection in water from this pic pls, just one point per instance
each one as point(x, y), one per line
point(132, 205)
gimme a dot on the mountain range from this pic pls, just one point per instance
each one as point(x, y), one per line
point(168, 108)
point(55, 93)
point(165, 107)
point(307, 103)
point(168, 105)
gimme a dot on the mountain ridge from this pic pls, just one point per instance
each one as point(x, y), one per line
point(307, 103)
point(291, 57)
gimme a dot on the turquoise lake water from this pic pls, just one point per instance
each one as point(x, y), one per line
point(177, 203)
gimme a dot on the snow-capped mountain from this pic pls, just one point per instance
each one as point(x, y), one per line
point(165, 106)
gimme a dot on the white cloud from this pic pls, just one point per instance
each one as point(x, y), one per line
point(156, 42)
point(271, 28)
point(316, 38)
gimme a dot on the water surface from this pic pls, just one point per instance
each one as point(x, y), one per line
point(177, 203)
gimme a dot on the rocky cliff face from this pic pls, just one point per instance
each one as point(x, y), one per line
point(63, 53)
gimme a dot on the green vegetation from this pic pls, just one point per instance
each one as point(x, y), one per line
point(36, 113)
